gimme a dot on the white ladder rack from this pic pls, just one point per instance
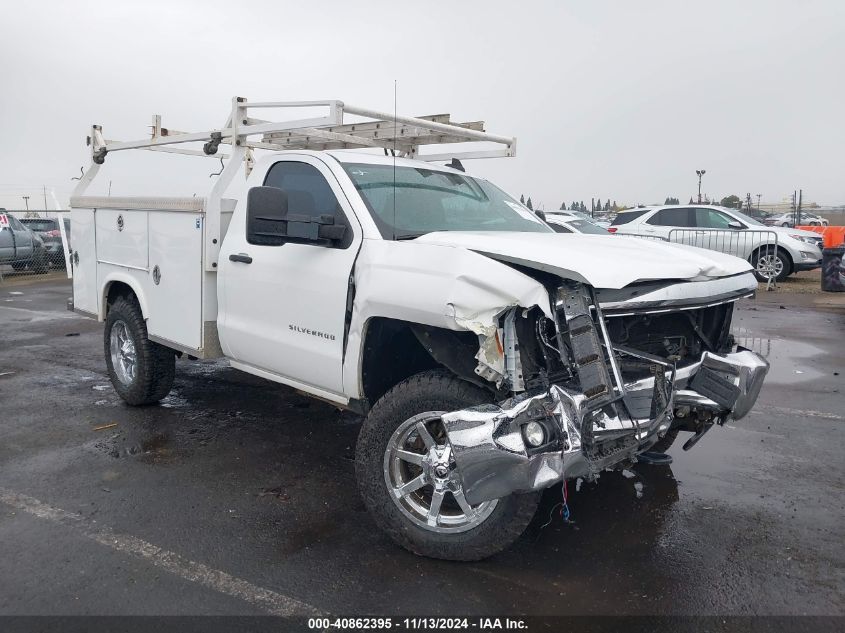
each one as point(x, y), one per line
point(401, 135)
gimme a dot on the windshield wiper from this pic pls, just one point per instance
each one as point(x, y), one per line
point(409, 236)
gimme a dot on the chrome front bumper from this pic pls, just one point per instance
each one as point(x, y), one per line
point(494, 460)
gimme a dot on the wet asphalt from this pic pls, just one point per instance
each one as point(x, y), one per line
point(252, 479)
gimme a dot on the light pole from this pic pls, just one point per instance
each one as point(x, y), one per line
point(26, 201)
point(759, 195)
point(700, 173)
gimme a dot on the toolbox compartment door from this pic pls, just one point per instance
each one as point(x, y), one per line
point(175, 283)
point(84, 260)
point(122, 238)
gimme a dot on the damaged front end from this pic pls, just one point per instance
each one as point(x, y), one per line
point(592, 390)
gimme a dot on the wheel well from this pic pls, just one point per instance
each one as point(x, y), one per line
point(394, 350)
point(118, 289)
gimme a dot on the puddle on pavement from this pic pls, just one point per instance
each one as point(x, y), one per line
point(790, 361)
point(155, 449)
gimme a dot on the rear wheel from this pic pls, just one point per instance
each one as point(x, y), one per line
point(40, 262)
point(141, 371)
point(409, 481)
point(768, 263)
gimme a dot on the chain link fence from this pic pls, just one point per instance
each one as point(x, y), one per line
point(33, 243)
point(759, 247)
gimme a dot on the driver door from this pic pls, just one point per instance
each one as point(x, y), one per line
point(717, 234)
point(283, 307)
point(22, 239)
point(7, 241)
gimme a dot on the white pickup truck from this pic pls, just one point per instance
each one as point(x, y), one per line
point(491, 357)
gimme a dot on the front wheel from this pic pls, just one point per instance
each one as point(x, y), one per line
point(409, 480)
point(768, 263)
point(141, 371)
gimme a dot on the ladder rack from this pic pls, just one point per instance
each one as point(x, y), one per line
point(244, 134)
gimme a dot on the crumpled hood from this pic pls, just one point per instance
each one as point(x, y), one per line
point(612, 261)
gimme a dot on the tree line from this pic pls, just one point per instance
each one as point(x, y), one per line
point(579, 206)
point(731, 202)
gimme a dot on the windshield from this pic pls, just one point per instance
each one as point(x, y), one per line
point(39, 225)
point(746, 219)
point(424, 200)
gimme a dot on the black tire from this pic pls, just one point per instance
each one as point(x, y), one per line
point(40, 262)
point(19, 266)
point(155, 365)
point(782, 255)
point(431, 391)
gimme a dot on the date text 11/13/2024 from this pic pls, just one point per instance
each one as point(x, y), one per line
point(438, 623)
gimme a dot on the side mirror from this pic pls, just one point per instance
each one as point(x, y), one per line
point(735, 225)
point(268, 222)
point(266, 216)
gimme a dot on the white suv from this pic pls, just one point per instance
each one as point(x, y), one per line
point(721, 229)
point(788, 219)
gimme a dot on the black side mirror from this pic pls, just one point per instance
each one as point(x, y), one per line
point(329, 230)
point(270, 224)
point(266, 216)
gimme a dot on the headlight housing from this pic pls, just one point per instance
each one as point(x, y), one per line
point(807, 240)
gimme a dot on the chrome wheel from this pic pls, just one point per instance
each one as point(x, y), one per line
point(422, 478)
point(769, 266)
point(124, 359)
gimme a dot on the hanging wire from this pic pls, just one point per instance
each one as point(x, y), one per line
point(395, 115)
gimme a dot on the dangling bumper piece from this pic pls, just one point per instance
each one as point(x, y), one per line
point(495, 458)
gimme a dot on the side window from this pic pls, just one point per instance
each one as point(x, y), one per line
point(712, 219)
point(308, 193)
point(672, 217)
point(624, 217)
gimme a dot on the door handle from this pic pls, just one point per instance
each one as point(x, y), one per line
point(240, 257)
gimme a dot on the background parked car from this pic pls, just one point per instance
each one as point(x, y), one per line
point(565, 222)
point(788, 219)
point(598, 220)
point(48, 230)
point(796, 250)
point(20, 247)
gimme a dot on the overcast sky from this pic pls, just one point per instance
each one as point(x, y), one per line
point(608, 99)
